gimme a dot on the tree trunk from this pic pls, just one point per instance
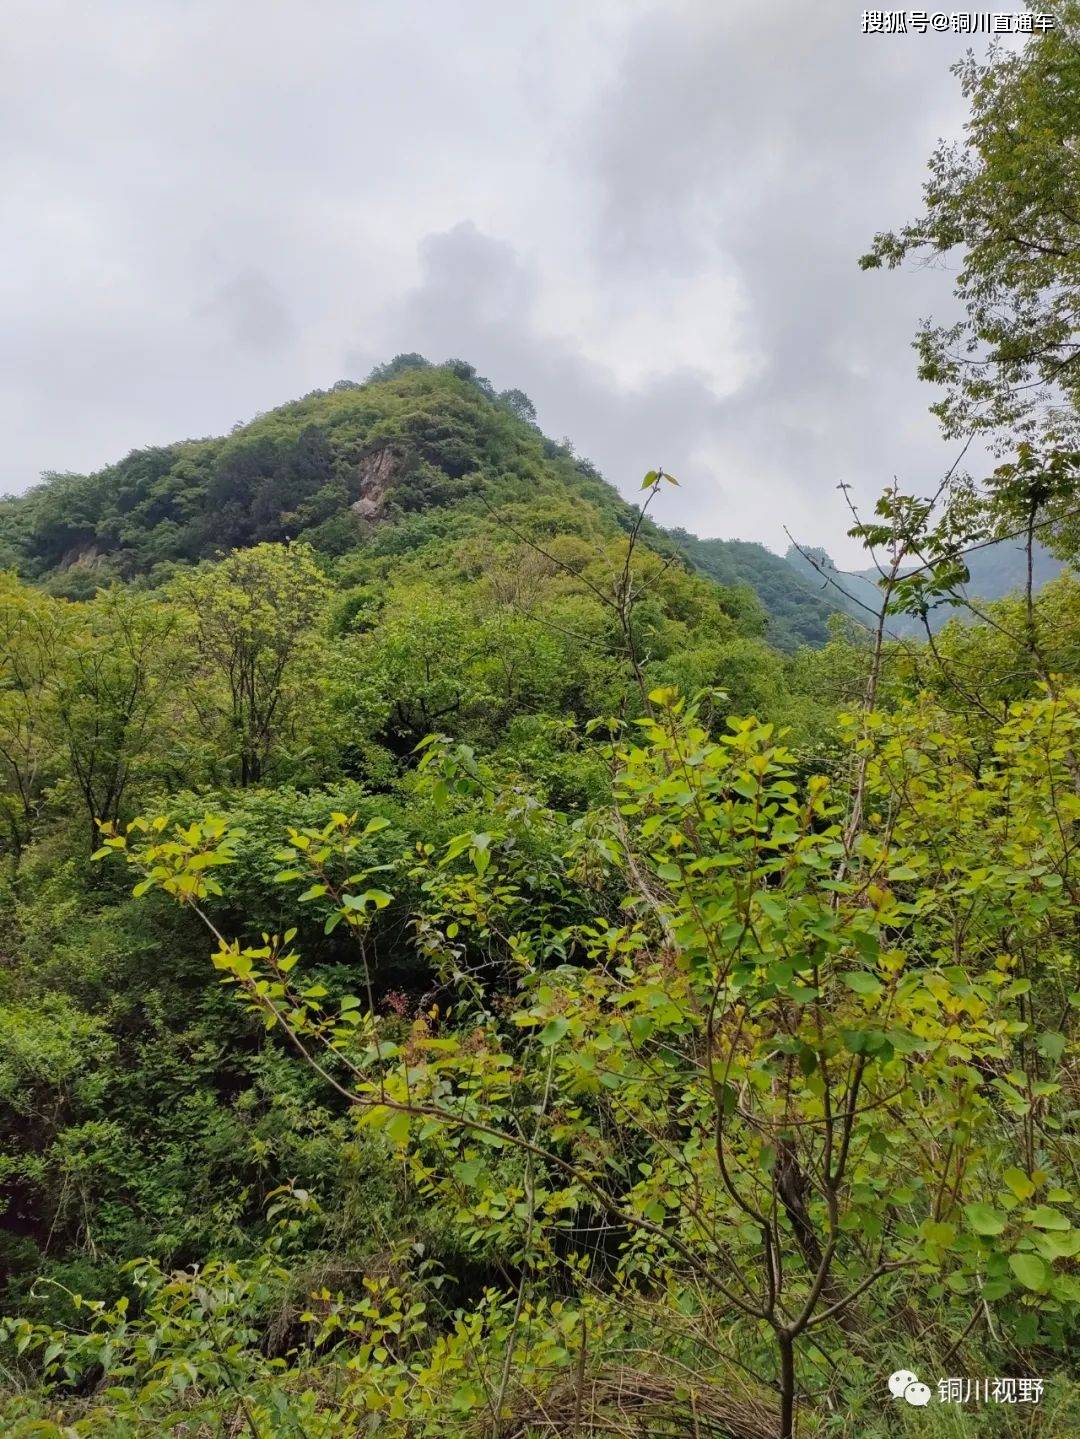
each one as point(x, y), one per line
point(787, 1385)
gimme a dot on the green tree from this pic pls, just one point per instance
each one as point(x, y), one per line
point(733, 1071)
point(112, 666)
point(254, 619)
point(27, 722)
point(1007, 200)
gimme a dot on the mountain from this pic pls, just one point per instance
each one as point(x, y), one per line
point(799, 606)
point(416, 439)
point(996, 571)
point(417, 455)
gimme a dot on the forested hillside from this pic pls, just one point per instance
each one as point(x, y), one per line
point(799, 605)
point(358, 465)
point(476, 963)
point(414, 439)
point(418, 455)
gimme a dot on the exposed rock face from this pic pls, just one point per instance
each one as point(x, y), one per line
point(82, 557)
point(376, 474)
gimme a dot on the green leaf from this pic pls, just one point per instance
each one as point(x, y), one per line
point(941, 1235)
point(465, 1397)
point(1019, 1183)
point(397, 1127)
point(862, 983)
point(1051, 1045)
point(554, 1030)
point(996, 1289)
point(867, 1041)
point(984, 1219)
point(641, 1026)
point(774, 908)
point(1016, 988)
point(1043, 1217)
point(1032, 1272)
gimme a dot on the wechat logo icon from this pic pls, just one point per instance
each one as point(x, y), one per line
point(905, 1385)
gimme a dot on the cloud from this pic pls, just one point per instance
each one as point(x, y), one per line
point(479, 298)
point(253, 311)
point(645, 213)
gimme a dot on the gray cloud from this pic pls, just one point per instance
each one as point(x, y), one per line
point(795, 141)
point(645, 213)
point(478, 298)
point(253, 311)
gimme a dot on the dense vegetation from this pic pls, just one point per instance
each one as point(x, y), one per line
point(475, 966)
point(993, 572)
point(440, 445)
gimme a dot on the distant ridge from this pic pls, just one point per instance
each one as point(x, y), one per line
point(996, 571)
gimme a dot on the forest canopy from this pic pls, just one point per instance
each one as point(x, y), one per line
point(479, 963)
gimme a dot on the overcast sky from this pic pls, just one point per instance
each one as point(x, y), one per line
point(645, 213)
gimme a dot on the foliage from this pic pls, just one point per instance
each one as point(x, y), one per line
point(798, 606)
point(805, 1036)
point(1007, 199)
point(452, 449)
point(639, 1052)
point(252, 620)
point(621, 1015)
